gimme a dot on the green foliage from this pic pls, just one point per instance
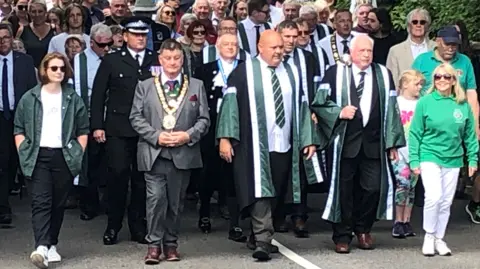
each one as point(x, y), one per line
point(340, 4)
point(443, 12)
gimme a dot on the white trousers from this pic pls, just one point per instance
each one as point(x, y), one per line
point(440, 184)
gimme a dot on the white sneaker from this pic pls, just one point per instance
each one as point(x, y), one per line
point(428, 248)
point(441, 248)
point(53, 255)
point(39, 257)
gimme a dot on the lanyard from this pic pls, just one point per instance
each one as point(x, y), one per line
point(220, 68)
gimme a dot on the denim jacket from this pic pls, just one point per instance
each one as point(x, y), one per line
point(28, 122)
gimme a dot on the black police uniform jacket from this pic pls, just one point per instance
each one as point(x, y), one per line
point(114, 87)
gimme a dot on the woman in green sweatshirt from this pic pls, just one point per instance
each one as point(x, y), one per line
point(442, 122)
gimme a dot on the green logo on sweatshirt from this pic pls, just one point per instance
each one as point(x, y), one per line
point(458, 115)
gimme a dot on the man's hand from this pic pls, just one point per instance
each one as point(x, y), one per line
point(471, 171)
point(393, 154)
point(226, 150)
point(416, 171)
point(314, 118)
point(309, 151)
point(107, 12)
point(164, 139)
point(348, 113)
point(99, 136)
point(179, 139)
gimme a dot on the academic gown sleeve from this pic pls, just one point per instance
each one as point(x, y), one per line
point(326, 110)
point(394, 134)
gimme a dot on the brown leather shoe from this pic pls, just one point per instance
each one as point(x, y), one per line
point(300, 229)
point(365, 241)
point(153, 255)
point(171, 254)
point(342, 248)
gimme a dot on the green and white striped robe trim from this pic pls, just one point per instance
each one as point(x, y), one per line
point(332, 210)
point(210, 54)
point(312, 166)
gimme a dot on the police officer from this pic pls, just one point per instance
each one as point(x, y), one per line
point(119, 73)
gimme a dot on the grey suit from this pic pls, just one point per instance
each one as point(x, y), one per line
point(167, 170)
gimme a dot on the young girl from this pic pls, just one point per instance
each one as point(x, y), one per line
point(411, 83)
point(442, 124)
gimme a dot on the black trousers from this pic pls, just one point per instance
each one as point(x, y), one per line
point(49, 187)
point(300, 210)
point(122, 170)
point(8, 162)
point(281, 170)
point(89, 197)
point(359, 196)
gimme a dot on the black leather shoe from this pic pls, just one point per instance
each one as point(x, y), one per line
point(236, 234)
point(299, 228)
point(5, 219)
point(252, 245)
point(204, 225)
point(262, 252)
point(110, 237)
point(139, 238)
point(88, 216)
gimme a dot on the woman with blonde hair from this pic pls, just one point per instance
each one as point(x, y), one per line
point(443, 122)
point(166, 15)
point(411, 83)
point(323, 9)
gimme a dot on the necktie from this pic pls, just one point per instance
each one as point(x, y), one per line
point(278, 99)
point(137, 58)
point(346, 50)
point(312, 39)
point(257, 29)
point(6, 101)
point(171, 85)
point(361, 85)
point(286, 58)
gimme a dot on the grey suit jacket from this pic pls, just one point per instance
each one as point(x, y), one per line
point(400, 58)
point(146, 118)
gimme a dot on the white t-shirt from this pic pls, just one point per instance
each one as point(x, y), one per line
point(51, 136)
point(407, 108)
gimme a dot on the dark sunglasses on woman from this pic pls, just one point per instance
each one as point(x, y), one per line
point(170, 13)
point(421, 22)
point(22, 7)
point(440, 76)
point(55, 68)
point(201, 32)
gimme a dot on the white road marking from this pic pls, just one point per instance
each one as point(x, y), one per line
point(294, 256)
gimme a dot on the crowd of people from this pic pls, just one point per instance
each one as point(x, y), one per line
point(257, 100)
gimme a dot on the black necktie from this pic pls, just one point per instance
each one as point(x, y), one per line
point(137, 57)
point(361, 85)
point(257, 29)
point(346, 50)
point(5, 99)
point(286, 58)
point(312, 39)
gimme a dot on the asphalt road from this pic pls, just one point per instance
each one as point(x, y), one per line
point(81, 245)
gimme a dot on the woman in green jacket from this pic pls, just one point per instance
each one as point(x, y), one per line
point(442, 123)
point(50, 128)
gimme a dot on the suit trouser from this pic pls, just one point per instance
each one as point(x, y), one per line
point(8, 162)
point(359, 196)
point(300, 209)
point(49, 188)
point(89, 197)
point(166, 186)
point(440, 184)
point(122, 168)
point(261, 210)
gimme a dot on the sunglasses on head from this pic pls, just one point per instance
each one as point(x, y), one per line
point(200, 32)
point(170, 13)
point(103, 45)
point(421, 22)
point(22, 7)
point(440, 76)
point(55, 68)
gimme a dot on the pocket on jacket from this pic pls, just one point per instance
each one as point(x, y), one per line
point(74, 157)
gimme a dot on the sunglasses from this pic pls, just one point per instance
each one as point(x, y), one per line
point(421, 22)
point(55, 68)
point(303, 33)
point(22, 7)
point(170, 13)
point(103, 45)
point(199, 32)
point(440, 76)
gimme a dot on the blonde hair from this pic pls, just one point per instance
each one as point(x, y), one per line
point(407, 77)
point(321, 5)
point(457, 90)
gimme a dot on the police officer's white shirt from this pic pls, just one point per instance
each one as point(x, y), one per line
point(134, 54)
point(51, 136)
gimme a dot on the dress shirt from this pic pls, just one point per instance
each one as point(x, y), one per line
point(418, 49)
point(278, 138)
point(11, 93)
point(325, 45)
point(227, 69)
point(134, 54)
point(93, 62)
point(164, 78)
point(57, 43)
point(251, 33)
point(366, 101)
point(215, 20)
point(276, 15)
point(290, 59)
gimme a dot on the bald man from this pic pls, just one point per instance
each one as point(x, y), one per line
point(217, 174)
point(358, 104)
point(258, 131)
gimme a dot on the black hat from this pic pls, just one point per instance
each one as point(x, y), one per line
point(137, 24)
point(449, 34)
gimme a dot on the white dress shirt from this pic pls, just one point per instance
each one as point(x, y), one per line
point(11, 92)
point(276, 15)
point(278, 138)
point(57, 43)
point(418, 49)
point(218, 80)
point(251, 33)
point(93, 62)
point(134, 54)
point(326, 45)
point(366, 100)
point(164, 78)
point(51, 136)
